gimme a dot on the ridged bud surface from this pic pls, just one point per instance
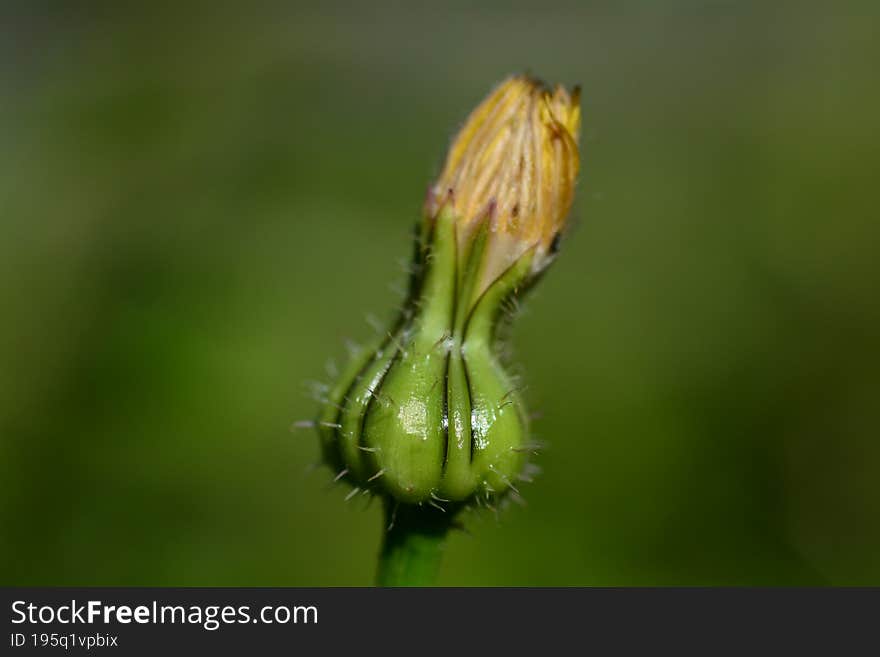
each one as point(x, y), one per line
point(429, 413)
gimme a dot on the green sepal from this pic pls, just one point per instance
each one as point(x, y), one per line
point(432, 416)
point(499, 423)
point(407, 435)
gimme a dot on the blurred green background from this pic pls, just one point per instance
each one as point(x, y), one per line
point(198, 206)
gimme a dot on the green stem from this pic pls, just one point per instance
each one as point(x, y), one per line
point(413, 546)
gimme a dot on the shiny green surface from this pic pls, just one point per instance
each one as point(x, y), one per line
point(196, 209)
point(433, 417)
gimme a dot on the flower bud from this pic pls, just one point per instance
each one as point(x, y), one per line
point(514, 163)
point(429, 413)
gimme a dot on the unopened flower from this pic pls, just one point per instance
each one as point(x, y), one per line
point(513, 165)
point(428, 414)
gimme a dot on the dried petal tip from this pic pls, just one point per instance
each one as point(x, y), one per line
point(514, 162)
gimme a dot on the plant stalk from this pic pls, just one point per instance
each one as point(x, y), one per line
point(413, 545)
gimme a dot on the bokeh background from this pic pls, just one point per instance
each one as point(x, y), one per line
point(200, 203)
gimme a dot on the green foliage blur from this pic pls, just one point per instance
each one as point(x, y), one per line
point(198, 208)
